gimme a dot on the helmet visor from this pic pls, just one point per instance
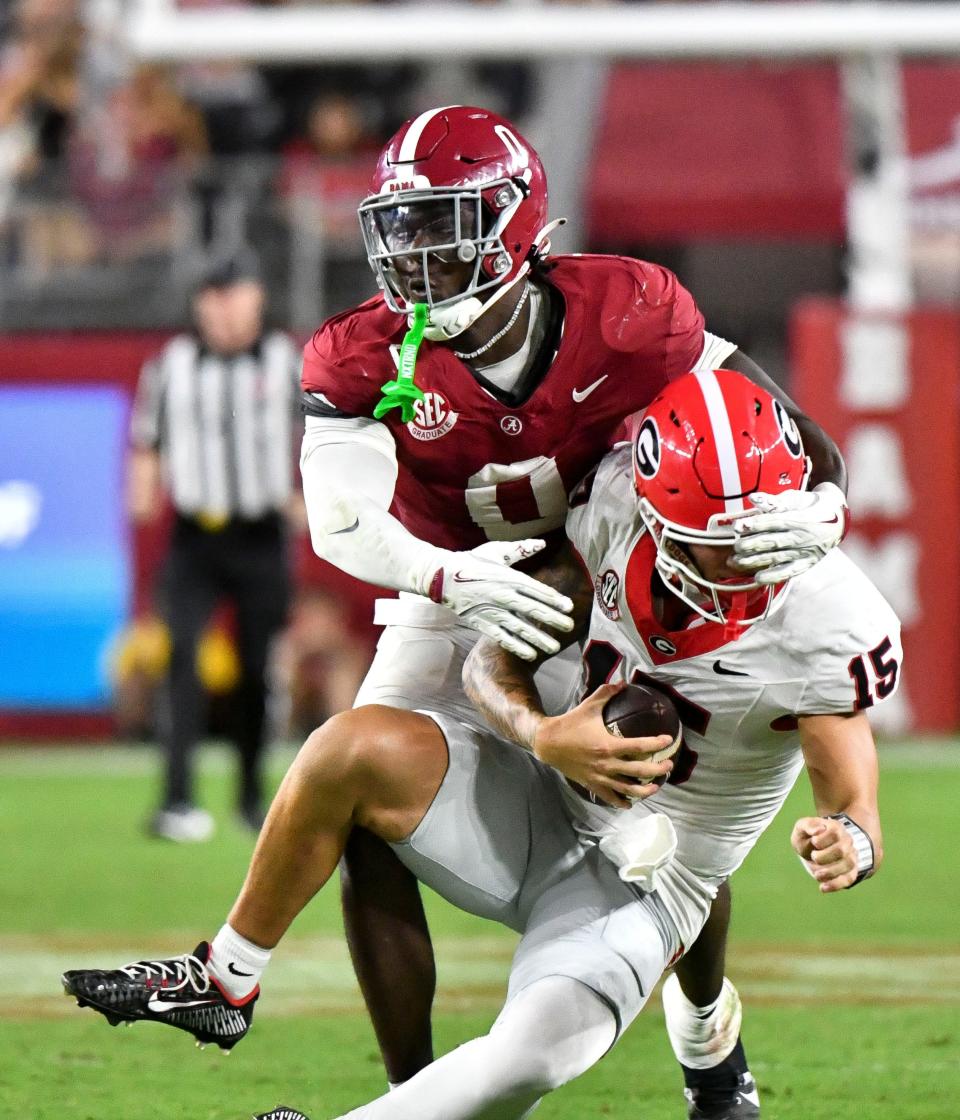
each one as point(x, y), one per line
point(432, 223)
point(429, 245)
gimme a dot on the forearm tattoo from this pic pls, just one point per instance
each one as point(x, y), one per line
point(501, 684)
point(502, 687)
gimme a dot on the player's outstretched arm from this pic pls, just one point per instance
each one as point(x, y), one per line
point(349, 472)
point(788, 533)
point(577, 743)
point(843, 844)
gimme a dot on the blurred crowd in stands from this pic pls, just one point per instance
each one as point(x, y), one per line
point(96, 150)
point(114, 173)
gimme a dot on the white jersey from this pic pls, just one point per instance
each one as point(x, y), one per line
point(832, 644)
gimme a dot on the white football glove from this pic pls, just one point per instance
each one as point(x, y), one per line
point(785, 534)
point(508, 606)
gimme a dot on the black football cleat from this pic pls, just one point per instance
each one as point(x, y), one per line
point(737, 1101)
point(281, 1113)
point(180, 992)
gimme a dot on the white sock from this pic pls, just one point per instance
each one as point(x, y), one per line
point(701, 1037)
point(236, 962)
point(548, 1034)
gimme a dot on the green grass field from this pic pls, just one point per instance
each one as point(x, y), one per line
point(852, 1002)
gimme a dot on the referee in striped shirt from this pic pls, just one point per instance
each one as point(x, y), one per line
point(216, 423)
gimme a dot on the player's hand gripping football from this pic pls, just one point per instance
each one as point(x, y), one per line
point(785, 534)
point(578, 744)
point(828, 851)
point(506, 605)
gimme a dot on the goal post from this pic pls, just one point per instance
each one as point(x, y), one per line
point(158, 30)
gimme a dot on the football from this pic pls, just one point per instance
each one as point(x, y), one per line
point(640, 711)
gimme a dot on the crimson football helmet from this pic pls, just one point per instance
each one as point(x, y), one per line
point(701, 448)
point(455, 183)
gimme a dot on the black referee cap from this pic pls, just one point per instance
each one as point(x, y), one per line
point(222, 270)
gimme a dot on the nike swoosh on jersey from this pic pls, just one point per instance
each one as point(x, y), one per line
point(580, 395)
point(176, 1005)
point(349, 529)
point(724, 672)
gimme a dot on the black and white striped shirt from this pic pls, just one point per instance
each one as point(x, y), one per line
point(224, 426)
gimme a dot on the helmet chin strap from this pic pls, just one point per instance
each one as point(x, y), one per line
point(446, 323)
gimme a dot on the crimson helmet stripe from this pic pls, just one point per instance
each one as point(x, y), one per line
point(723, 439)
point(408, 147)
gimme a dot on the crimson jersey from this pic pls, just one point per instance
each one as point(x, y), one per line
point(477, 463)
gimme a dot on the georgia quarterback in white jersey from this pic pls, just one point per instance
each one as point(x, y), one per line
point(762, 676)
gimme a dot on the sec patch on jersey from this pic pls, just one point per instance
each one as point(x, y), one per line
point(640, 711)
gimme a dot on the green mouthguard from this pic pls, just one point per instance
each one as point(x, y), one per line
point(403, 392)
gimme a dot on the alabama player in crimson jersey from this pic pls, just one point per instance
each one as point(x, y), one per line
point(447, 421)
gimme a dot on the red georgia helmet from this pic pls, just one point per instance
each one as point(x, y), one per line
point(702, 447)
point(456, 180)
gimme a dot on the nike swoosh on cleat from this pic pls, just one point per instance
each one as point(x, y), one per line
point(580, 395)
point(232, 968)
point(155, 1004)
point(724, 672)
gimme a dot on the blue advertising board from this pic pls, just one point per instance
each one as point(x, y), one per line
point(65, 568)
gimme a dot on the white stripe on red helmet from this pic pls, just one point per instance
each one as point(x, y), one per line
point(408, 146)
point(723, 439)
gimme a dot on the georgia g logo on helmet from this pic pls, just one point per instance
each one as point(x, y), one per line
point(647, 449)
point(791, 436)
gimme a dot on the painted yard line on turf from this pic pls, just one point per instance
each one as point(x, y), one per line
point(217, 758)
point(313, 975)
